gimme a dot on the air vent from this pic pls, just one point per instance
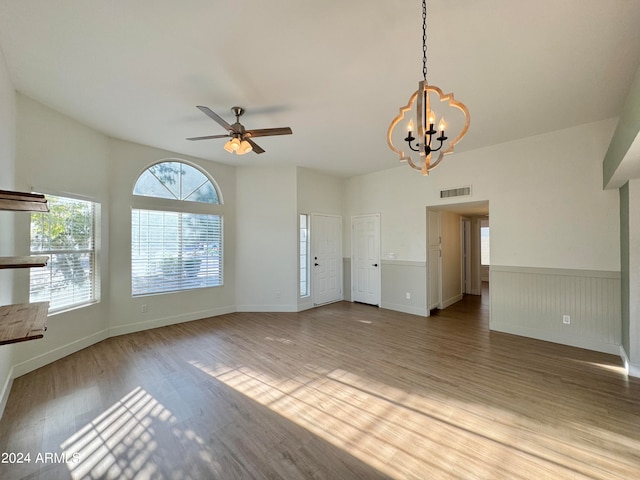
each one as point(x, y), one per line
point(455, 192)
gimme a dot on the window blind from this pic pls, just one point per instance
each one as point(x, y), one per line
point(173, 251)
point(66, 234)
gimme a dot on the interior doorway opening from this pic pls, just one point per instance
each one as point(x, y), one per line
point(454, 257)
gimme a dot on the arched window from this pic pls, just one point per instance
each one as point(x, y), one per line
point(176, 181)
point(176, 244)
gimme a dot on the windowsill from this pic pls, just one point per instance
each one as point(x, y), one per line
point(72, 308)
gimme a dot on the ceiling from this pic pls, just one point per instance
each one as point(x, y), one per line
point(336, 72)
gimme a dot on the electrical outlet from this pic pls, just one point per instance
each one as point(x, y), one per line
point(144, 308)
point(408, 295)
point(278, 294)
point(566, 319)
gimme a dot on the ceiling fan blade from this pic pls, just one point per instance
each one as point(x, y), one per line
point(256, 148)
point(266, 132)
point(214, 116)
point(208, 137)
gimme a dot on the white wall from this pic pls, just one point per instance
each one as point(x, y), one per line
point(57, 155)
point(128, 161)
point(548, 211)
point(548, 208)
point(267, 239)
point(319, 192)
point(7, 163)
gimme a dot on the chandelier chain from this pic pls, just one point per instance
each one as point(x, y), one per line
point(424, 39)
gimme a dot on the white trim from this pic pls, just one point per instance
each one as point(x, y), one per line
point(585, 343)
point(58, 353)
point(267, 308)
point(115, 331)
point(404, 263)
point(421, 312)
point(557, 271)
point(198, 167)
point(633, 370)
point(62, 193)
point(451, 301)
point(305, 306)
point(6, 390)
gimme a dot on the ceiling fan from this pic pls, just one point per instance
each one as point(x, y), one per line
point(241, 139)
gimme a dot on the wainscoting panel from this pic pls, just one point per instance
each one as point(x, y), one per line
point(400, 278)
point(532, 301)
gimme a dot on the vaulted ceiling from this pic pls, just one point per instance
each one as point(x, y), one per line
point(336, 72)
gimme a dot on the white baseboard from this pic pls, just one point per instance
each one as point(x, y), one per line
point(6, 389)
point(451, 301)
point(58, 353)
point(633, 370)
point(549, 337)
point(422, 312)
point(267, 308)
point(165, 321)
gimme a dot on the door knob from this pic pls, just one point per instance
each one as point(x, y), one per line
point(316, 264)
point(375, 264)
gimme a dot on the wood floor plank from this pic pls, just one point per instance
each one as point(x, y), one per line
point(342, 391)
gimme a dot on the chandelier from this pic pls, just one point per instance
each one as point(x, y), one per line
point(429, 145)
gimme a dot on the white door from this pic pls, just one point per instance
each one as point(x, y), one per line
point(434, 260)
point(326, 258)
point(365, 261)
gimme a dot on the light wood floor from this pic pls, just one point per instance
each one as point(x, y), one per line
point(339, 392)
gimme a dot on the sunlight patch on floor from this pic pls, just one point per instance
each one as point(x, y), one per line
point(380, 425)
point(619, 369)
point(121, 442)
point(400, 433)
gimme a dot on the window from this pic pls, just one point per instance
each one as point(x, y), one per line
point(176, 181)
point(180, 248)
point(484, 246)
point(66, 234)
point(304, 255)
point(175, 251)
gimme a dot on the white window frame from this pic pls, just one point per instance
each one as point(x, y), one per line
point(304, 249)
point(143, 202)
point(94, 277)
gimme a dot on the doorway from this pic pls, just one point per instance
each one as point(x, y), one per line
point(434, 259)
point(453, 252)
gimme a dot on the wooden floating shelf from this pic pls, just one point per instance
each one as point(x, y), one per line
point(22, 322)
point(26, 202)
point(23, 262)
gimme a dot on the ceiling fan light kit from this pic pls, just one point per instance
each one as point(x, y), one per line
point(429, 140)
point(237, 146)
point(241, 139)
